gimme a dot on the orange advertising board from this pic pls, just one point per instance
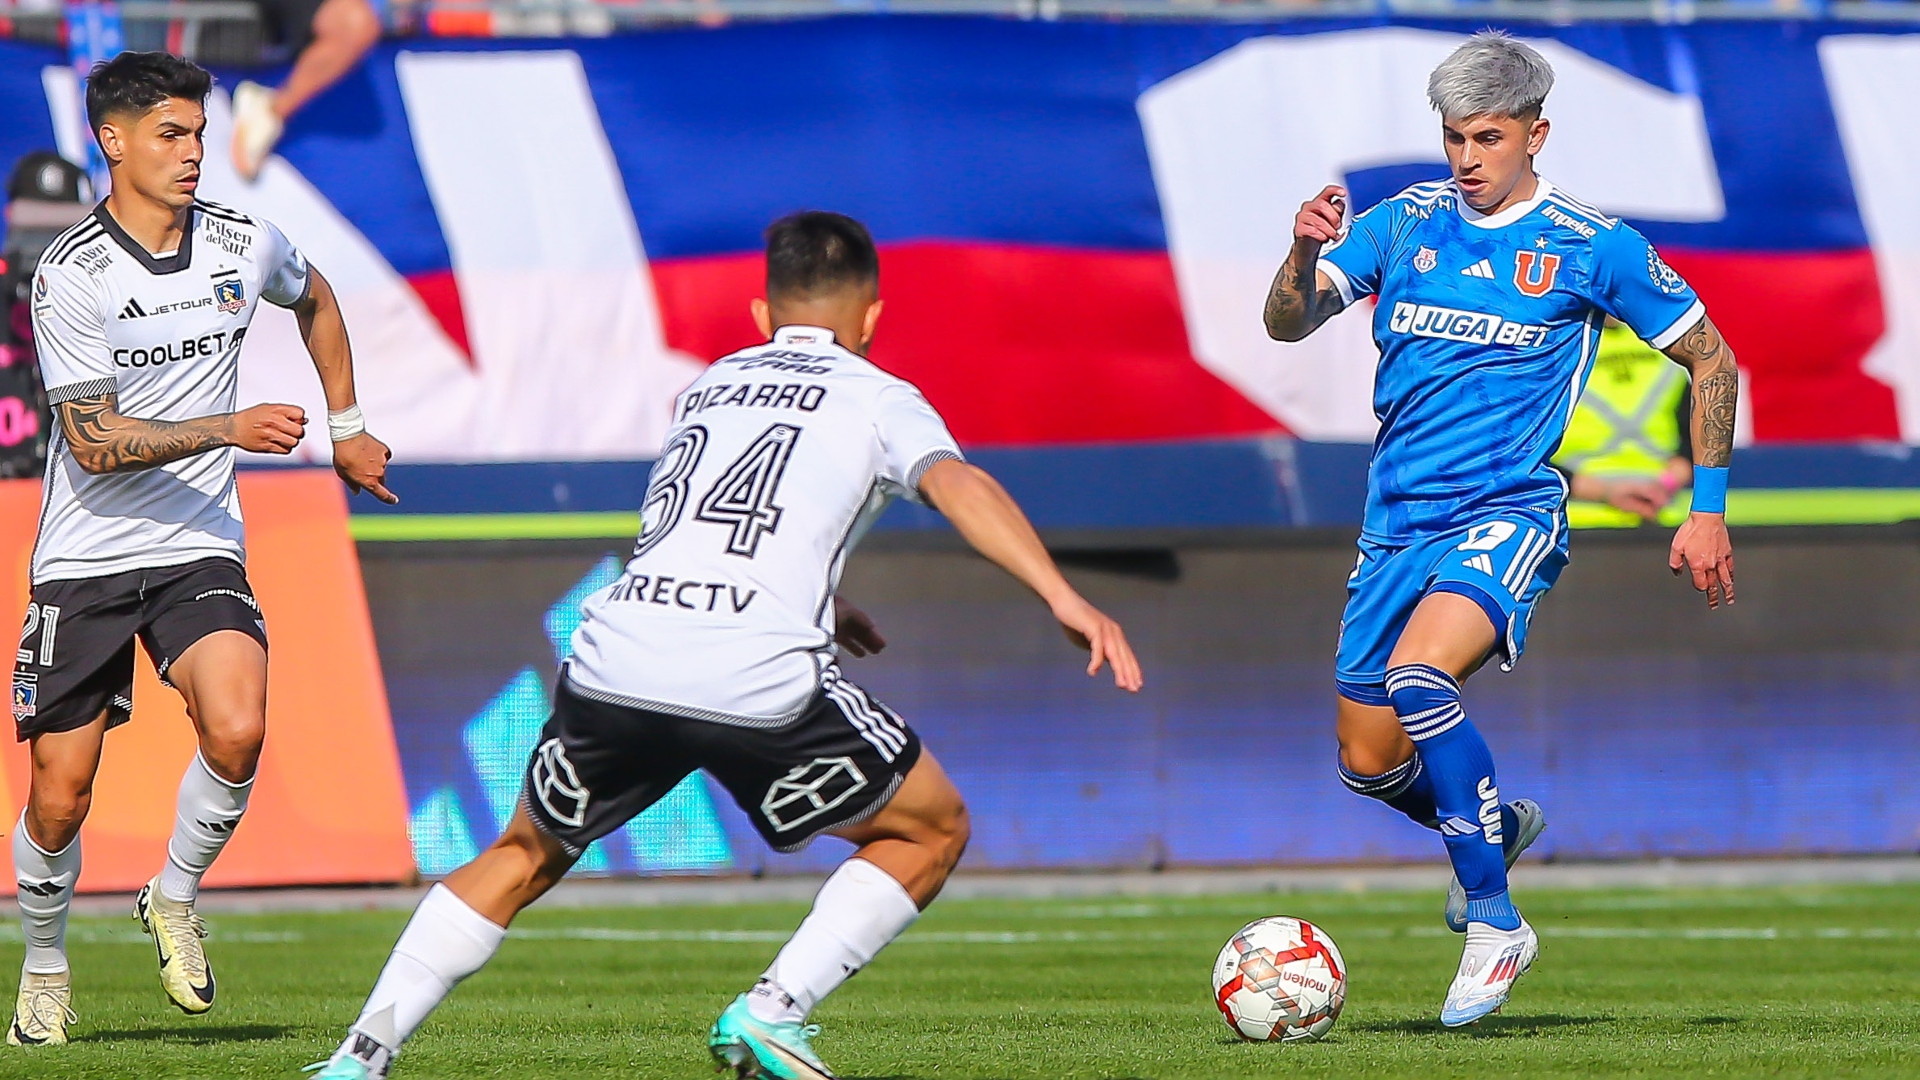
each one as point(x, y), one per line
point(329, 805)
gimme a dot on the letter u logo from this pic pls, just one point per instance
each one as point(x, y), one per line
point(1533, 272)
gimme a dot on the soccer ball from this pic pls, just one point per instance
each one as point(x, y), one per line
point(1280, 979)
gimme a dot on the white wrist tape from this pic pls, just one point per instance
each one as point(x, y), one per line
point(346, 423)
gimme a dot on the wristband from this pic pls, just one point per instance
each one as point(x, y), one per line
point(348, 422)
point(1709, 490)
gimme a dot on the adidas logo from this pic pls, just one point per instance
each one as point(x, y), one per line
point(1481, 269)
point(133, 310)
point(1482, 563)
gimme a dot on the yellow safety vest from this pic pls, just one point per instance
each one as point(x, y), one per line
point(1626, 424)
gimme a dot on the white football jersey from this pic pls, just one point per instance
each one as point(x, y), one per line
point(779, 458)
point(164, 334)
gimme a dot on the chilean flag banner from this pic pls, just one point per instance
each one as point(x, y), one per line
point(538, 243)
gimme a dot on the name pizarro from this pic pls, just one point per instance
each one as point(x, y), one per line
point(752, 396)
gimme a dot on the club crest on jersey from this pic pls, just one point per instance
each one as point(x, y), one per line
point(229, 294)
point(1425, 259)
point(1533, 272)
point(26, 695)
point(40, 287)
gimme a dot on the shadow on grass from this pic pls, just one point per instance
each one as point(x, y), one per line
point(1715, 1021)
point(195, 1036)
point(1493, 1027)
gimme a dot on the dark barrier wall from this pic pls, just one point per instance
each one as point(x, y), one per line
point(1644, 724)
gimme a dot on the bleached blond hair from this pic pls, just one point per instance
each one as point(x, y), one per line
point(1491, 73)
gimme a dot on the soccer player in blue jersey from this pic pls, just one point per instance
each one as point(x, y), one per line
point(1492, 288)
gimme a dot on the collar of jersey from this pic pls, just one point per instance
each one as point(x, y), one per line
point(802, 334)
point(168, 264)
point(1511, 214)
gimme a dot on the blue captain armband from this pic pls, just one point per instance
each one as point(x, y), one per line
point(1709, 490)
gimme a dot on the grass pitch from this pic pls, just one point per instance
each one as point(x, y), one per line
point(1788, 982)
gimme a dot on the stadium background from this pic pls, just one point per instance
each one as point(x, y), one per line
point(537, 242)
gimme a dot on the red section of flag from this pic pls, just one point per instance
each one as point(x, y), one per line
point(440, 292)
point(1800, 324)
point(1015, 345)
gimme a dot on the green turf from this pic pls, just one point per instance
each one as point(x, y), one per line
point(1793, 982)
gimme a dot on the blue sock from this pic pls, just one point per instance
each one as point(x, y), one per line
point(1407, 787)
point(1466, 796)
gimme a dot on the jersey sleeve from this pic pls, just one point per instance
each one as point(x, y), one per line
point(913, 438)
point(284, 276)
point(1354, 262)
point(70, 336)
point(1632, 283)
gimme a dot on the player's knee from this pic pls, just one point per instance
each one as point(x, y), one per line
point(537, 860)
point(1425, 698)
point(231, 748)
point(55, 813)
point(1375, 779)
point(1372, 757)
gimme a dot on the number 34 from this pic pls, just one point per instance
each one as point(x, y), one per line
point(741, 498)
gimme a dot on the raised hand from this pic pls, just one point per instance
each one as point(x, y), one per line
point(1320, 217)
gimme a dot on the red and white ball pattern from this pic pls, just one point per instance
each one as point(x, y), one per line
point(1280, 979)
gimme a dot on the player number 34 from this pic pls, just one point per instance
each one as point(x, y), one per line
point(742, 498)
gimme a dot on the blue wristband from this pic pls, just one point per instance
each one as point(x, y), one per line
point(1709, 490)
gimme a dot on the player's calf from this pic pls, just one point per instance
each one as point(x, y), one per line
point(1466, 797)
point(457, 928)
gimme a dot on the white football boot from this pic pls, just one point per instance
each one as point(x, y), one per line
point(1493, 961)
point(177, 931)
point(42, 1011)
point(1529, 822)
point(256, 128)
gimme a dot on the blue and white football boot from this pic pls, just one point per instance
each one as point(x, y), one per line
point(752, 1047)
point(1493, 961)
point(1529, 822)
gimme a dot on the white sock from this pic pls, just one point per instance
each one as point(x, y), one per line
point(204, 818)
point(444, 942)
point(859, 909)
point(46, 882)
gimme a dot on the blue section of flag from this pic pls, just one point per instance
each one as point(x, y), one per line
point(991, 130)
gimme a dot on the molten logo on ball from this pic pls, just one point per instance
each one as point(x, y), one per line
point(1280, 979)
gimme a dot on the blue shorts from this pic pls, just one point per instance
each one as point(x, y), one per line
point(1505, 563)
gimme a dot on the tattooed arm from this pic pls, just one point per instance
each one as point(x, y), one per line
point(1702, 546)
point(1716, 391)
point(1302, 296)
point(103, 440)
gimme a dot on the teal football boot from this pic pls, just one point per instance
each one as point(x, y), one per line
point(753, 1048)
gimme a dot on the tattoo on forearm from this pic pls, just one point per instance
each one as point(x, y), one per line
point(104, 441)
point(1716, 391)
point(1294, 308)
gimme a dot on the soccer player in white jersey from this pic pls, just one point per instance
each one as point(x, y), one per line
point(716, 650)
point(1493, 286)
point(139, 312)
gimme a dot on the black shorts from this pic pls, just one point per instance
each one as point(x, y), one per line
point(76, 650)
point(599, 764)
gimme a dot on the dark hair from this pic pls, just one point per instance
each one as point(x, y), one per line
point(815, 252)
point(134, 82)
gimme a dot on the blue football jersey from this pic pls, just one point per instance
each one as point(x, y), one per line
point(1487, 326)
